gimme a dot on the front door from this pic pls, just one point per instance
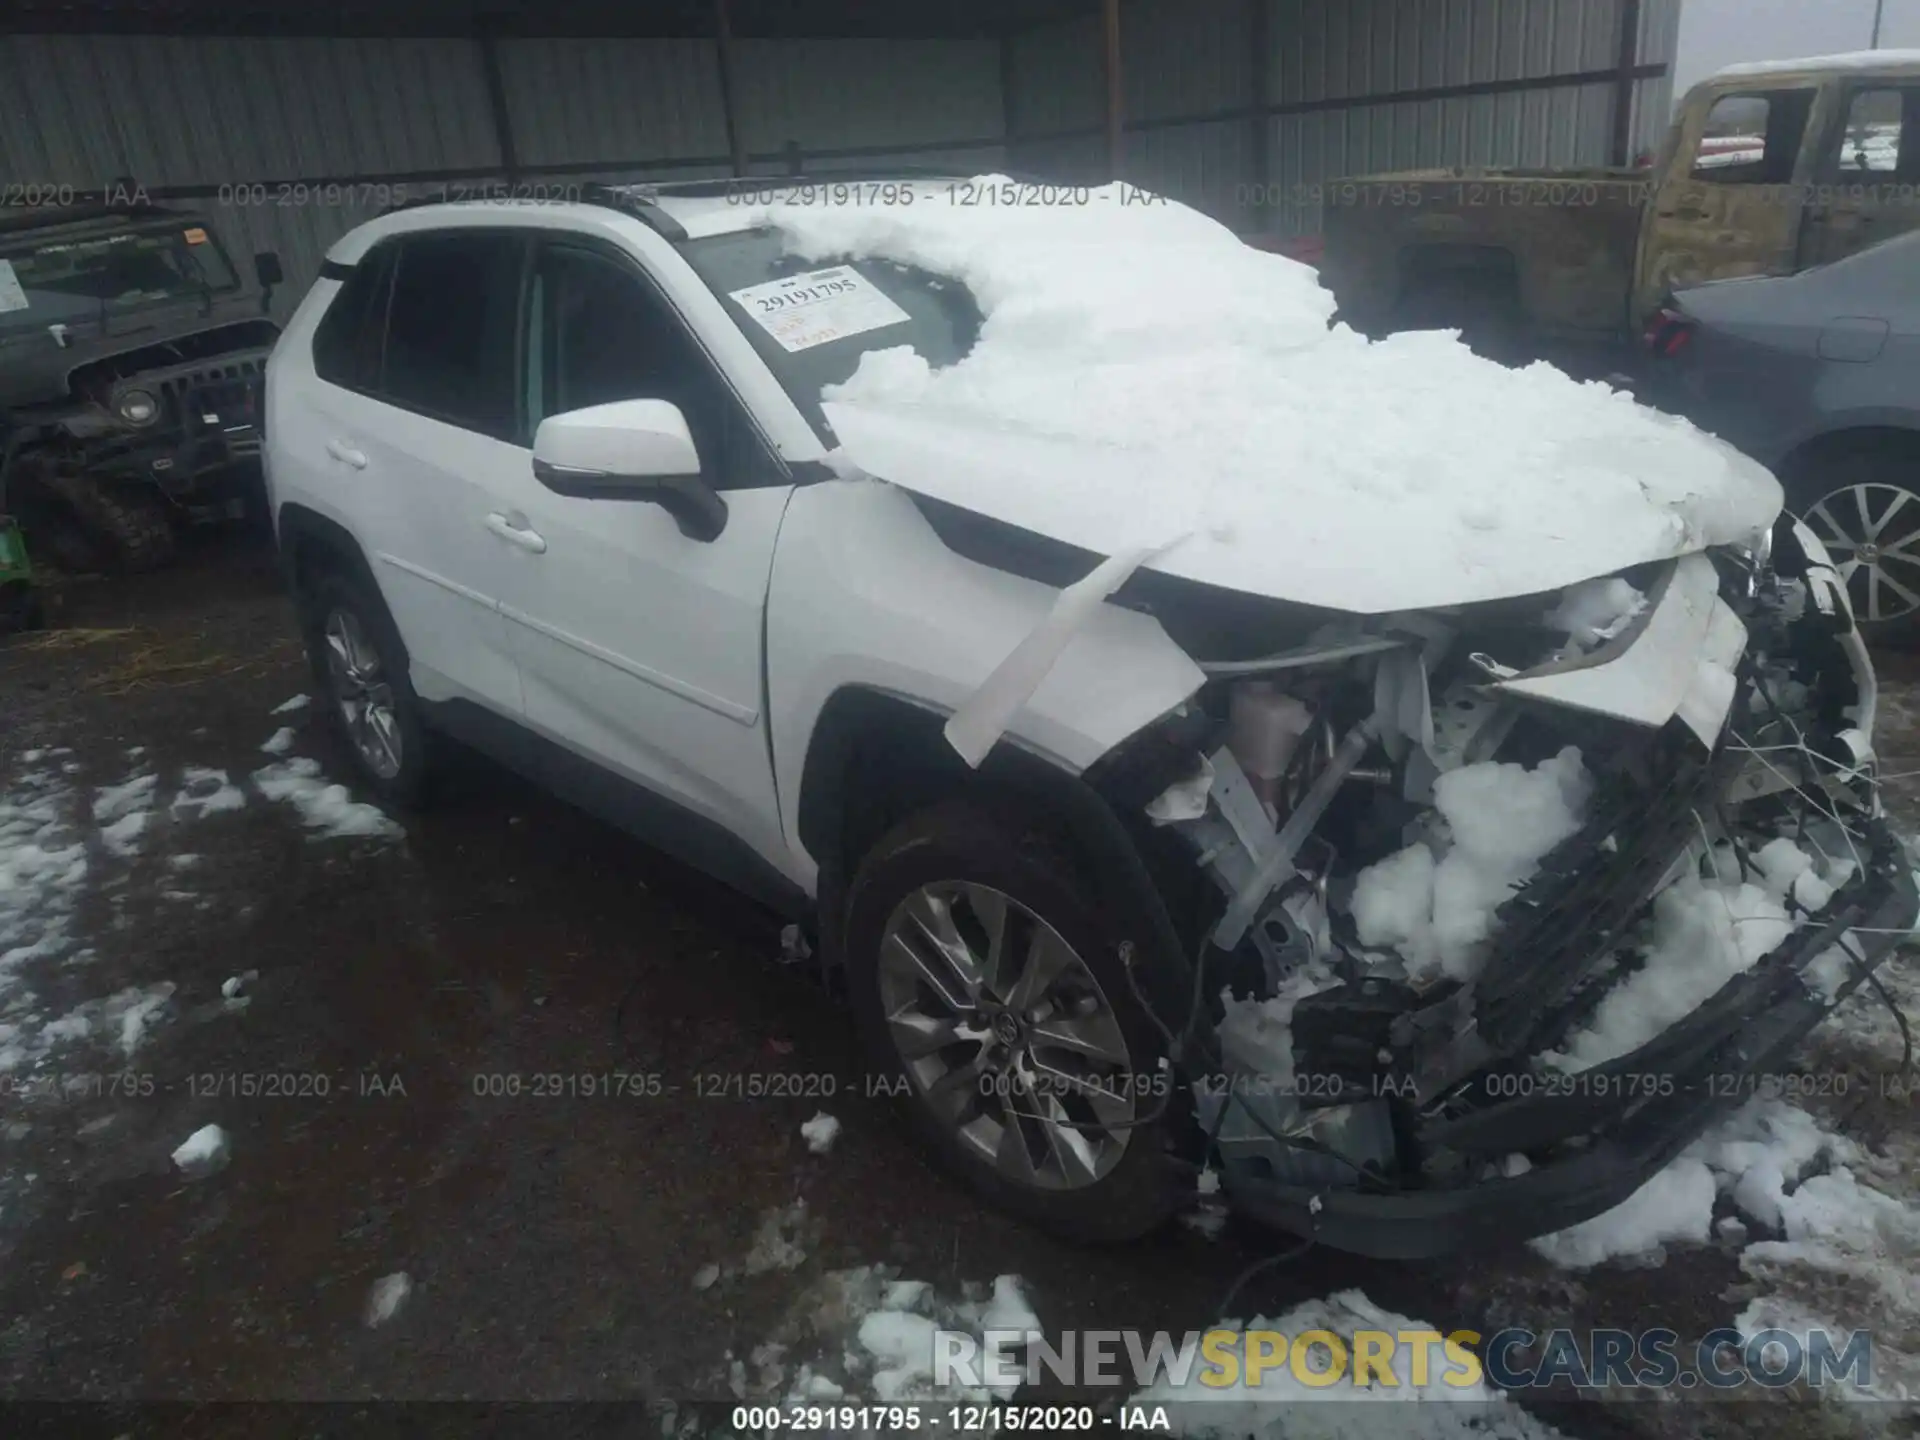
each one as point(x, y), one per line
point(640, 647)
point(1729, 202)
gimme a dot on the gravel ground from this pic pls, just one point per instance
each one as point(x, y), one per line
point(552, 1243)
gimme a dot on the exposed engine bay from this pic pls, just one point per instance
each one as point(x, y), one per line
point(1504, 900)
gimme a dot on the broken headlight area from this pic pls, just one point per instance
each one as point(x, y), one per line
point(1495, 900)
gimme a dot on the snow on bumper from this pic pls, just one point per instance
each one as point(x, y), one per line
point(1507, 1025)
point(1641, 1110)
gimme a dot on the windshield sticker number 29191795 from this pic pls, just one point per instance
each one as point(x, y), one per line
point(801, 311)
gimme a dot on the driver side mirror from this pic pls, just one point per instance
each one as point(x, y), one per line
point(630, 450)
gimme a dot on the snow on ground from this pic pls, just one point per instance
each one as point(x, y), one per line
point(280, 742)
point(820, 1132)
point(203, 1152)
point(49, 831)
point(1824, 1247)
point(780, 1242)
point(328, 810)
point(866, 1334)
point(1143, 375)
point(1279, 1404)
point(43, 874)
point(386, 1297)
point(112, 802)
point(205, 792)
point(291, 704)
point(1501, 820)
point(1676, 1204)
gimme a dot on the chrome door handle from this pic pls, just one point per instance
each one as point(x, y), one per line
point(516, 534)
point(347, 455)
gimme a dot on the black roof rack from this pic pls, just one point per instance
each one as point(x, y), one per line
point(638, 198)
point(730, 184)
point(591, 193)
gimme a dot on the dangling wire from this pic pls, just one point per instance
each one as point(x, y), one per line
point(1258, 1268)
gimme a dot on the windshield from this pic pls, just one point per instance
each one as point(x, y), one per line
point(72, 280)
point(813, 320)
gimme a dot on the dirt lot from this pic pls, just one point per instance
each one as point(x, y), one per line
point(552, 1241)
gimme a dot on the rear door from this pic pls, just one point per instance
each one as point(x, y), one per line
point(422, 427)
point(1867, 187)
point(1730, 201)
point(640, 647)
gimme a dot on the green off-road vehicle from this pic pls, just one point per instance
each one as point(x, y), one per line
point(131, 357)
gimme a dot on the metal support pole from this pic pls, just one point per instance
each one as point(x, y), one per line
point(1879, 14)
point(1629, 59)
point(1009, 100)
point(723, 33)
point(1115, 95)
point(1259, 96)
point(497, 102)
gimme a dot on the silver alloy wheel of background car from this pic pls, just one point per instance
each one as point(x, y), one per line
point(361, 690)
point(1007, 1035)
point(1872, 530)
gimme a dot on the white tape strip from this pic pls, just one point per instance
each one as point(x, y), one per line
point(983, 716)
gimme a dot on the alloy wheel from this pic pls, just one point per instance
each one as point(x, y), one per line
point(363, 694)
point(1007, 1035)
point(1873, 533)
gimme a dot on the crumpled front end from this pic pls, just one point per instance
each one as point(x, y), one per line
point(1506, 904)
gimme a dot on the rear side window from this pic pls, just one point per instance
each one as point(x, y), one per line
point(1753, 139)
point(452, 324)
point(1881, 138)
point(348, 341)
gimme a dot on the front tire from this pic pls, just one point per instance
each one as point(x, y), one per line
point(993, 1003)
point(360, 667)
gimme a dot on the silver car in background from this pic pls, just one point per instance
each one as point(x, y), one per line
point(1817, 376)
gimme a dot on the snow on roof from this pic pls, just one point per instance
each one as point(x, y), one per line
point(1853, 60)
point(1143, 375)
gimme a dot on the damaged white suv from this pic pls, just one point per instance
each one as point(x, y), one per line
point(1422, 790)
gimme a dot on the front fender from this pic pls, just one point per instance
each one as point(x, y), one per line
point(865, 595)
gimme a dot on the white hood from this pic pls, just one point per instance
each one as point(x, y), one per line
point(1143, 375)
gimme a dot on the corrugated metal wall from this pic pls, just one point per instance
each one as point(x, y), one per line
point(235, 117)
point(1182, 60)
point(238, 118)
point(87, 110)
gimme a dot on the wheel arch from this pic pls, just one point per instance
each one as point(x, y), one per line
point(875, 758)
point(1855, 438)
point(312, 543)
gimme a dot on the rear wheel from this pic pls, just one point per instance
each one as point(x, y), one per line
point(360, 666)
point(992, 999)
point(1864, 504)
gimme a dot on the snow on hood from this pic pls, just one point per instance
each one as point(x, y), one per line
point(1142, 374)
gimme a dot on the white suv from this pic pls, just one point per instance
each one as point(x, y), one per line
point(1134, 859)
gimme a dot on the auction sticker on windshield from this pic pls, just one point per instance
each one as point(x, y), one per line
point(802, 311)
point(12, 297)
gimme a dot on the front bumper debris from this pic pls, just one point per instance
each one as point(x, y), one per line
point(1390, 1097)
point(1642, 1110)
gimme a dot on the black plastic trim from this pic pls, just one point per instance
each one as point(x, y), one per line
point(643, 813)
point(1425, 1224)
